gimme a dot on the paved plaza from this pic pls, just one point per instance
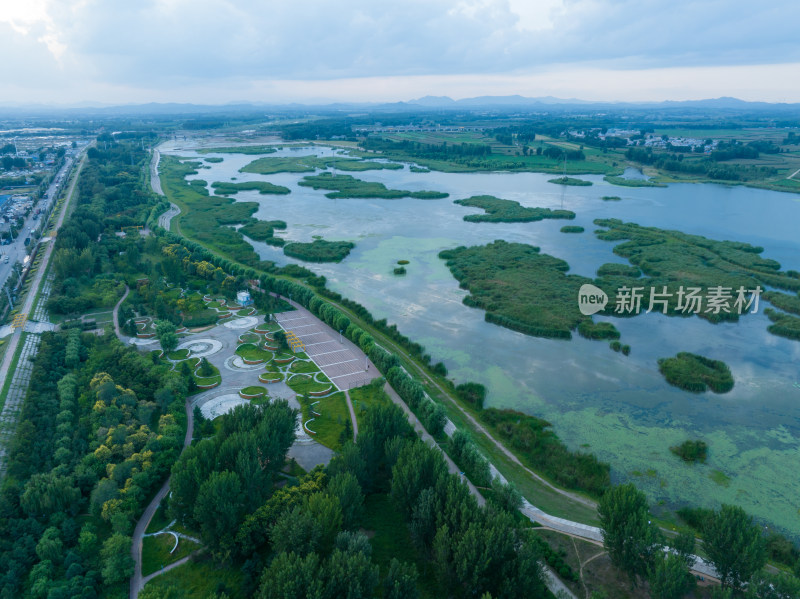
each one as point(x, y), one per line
point(343, 363)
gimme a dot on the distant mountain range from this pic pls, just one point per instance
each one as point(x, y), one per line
point(512, 103)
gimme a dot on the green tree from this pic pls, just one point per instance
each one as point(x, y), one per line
point(296, 530)
point(116, 559)
point(417, 467)
point(350, 460)
point(506, 495)
point(345, 487)
point(400, 581)
point(734, 545)
point(630, 538)
point(219, 509)
point(49, 493)
point(205, 368)
point(352, 542)
point(280, 337)
point(169, 341)
point(50, 547)
point(164, 326)
point(291, 576)
point(773, 586)
point(327, 512)
point(670, 578)
point(683, 545)
point(350, 575)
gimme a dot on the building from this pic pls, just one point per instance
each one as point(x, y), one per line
point(243, 298)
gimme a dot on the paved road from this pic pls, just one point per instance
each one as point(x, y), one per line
point(555, 585)
point(155, 183)
point(16, 250)
point(165, 219)
point(576, 529)
point(117, 330)
point(28, 304)
point(21, 378)
point(794, 174)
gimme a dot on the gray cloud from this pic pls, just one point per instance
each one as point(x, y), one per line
point(161, 43)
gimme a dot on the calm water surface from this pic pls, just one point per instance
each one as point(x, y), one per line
point(618, 407)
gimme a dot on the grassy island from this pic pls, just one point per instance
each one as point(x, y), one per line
point(787, 303)
point(319, 250)
point(346, 186)
point(570, 181)
point(611, 198)
point(225, 188)
point(622, 182)
point(784, 325)
point(303, 164)
point(508, 211)
point(696, 373)
point(264, 230)
point(572, 229)
point(519, 287)
point(691, 451)
point(673, 259)
point(238, 150)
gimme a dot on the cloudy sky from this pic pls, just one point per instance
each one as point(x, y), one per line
point(217, 51)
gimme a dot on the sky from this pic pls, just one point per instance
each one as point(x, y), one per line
point(220, 51)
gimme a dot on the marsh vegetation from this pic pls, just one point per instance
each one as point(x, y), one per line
point(696, 373)
point(346, 186)
point(508, 211)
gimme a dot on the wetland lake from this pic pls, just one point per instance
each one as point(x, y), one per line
point(617, 406)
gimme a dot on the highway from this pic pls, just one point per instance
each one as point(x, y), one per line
point(16, 250)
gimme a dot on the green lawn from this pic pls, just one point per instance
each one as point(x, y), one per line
point(306, 384)
point(254, 390)
point(250, 337)
point(329, 425)
point(156, 552)
point(391, 539)
point(199, 578)
point(368, 395)
point(251, 352)
point(269, 326)
point(160, 520)
point(303, 366)
point(180, 354)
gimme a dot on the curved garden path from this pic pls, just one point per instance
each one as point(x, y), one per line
point(116, 314)
point(137, 582)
